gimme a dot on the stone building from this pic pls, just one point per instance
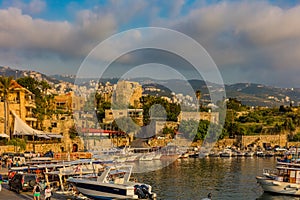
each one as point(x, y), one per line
point(127, 93)
point(21, 101)
point(69, 102)
point(106, 91)
point(135, 114)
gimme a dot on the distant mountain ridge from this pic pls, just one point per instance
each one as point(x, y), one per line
point(15, 73)
point(250, 94)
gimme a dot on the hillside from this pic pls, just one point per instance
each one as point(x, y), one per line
point(250, 94)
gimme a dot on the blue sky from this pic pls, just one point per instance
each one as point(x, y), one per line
point(250, 41)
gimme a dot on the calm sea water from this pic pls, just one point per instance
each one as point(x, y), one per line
point(194, 178)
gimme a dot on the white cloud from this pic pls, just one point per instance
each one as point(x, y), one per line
point(32, 7)
point(248, 37)
point(19, 31)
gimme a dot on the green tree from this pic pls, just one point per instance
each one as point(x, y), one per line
point(172, 109)
point(169, 131)
point(17, 142)
point(43, 100)
point(6, 88)
point(101, 106)
point(73, 133)
point(188, 128)
point(126, 124)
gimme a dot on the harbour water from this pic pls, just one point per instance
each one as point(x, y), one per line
point(194, 178)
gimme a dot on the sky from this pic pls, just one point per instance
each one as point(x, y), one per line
point(249, 41)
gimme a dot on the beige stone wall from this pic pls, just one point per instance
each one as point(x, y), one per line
point(7, 148)
point(221, 144)
point(296, 144)
point(260, 139)
point(209, 116)
point(63, 124)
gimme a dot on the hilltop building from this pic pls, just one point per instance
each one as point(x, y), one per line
point(127, 93)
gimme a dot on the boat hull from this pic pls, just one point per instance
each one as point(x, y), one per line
point(105, 191)
point(278, 187)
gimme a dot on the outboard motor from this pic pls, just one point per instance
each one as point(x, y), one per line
point(138, 190)
point(145, 190)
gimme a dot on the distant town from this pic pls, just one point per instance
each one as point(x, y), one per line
point(40, 114)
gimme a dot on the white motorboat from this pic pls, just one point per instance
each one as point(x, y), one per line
point(285, 179)
point(226, 153)
point(113, 183)
point(147, 157)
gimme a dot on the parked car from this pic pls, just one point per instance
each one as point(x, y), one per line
point(22, 182)
point(29, 154)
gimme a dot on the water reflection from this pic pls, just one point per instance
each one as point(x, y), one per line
point(225, 178)
point(267, 196)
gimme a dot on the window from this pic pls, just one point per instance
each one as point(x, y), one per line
point(54, 124)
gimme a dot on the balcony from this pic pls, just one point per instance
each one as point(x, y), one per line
point(30, 117)
point(30, 103)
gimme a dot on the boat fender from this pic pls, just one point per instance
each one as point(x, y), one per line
point(293, 186)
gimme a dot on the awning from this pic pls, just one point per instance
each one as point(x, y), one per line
point(3, 135)
point(22, 133)
point(55, 135)
point(42, 136)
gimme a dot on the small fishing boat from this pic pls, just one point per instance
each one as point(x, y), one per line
point(113, 183)
point(285, 179)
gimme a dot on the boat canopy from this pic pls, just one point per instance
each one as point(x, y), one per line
point(21, 128)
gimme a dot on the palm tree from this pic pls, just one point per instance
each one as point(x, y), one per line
point(5, 89)
point(198, 96)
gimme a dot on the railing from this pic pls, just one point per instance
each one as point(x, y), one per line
point(270, 172)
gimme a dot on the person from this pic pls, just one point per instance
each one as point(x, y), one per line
point(36, 191)
point(78, 168)
point(48, 193)
point(209, 197)
point(9, 163)
point(1, 179)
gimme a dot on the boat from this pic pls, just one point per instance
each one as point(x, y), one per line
point(260, 154)
point(146, 157)
point(285, 179)
point(114, 183)
point(249, 154)
point(226, 153)
point(57, 174)
point(184, 155)
point(240, 153)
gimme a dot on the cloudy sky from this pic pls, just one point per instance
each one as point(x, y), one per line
point(250, 41)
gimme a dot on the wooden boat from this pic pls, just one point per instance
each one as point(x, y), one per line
point(113, 183)
point(285, 179)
